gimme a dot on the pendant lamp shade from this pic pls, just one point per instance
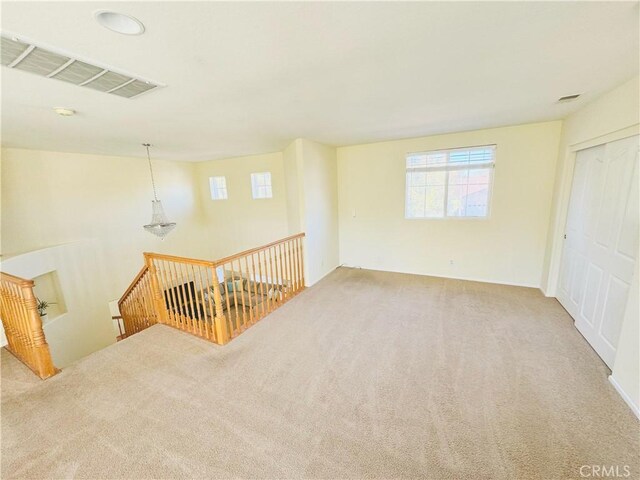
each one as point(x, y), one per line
point(160, 225)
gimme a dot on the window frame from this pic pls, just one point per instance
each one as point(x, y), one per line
point(255, 187)
point(213, 187)
point(447, 168)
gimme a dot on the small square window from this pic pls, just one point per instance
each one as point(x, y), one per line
point(218, 186)
point(261, 185)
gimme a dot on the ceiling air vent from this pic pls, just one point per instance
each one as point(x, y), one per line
point(30, 58)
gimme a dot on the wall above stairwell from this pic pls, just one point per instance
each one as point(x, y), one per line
point(53, 198)
point(83, 214)
point(241, 222)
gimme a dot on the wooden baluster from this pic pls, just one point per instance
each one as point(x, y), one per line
point(24, 330)
point(259, 306)
point(287, 247)
point(24, 325)
point(247, 284)
point(179, 286)
point(300, 266)
point(287, 268)
point(294, 255)
point(238, 307)
point(193, 301)
point(270, 279)
point(297, 265)
point(232, 295)
point(143, 295)
point(220, 322)
point(19, 322)
point(301, 256)
point(175, 294)
point(228, 300)
point(189, 305)
point(172, 292)
point(9, 320)
point(210, 312)
point(41, 356)
point(283, 272)
point(159, 301)
point(199, 301)
point(278, 259)
point(13, 320)
point(271, 276)
point(265, 300)
point(167, 294)
point(5, 315)
point(184, 297)
point(142, 301)
point(198, 306)
point(242, 295)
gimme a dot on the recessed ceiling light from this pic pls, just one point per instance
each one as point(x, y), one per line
point(65, 112)
point(119, 22)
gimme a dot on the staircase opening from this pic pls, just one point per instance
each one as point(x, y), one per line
point(215, 300)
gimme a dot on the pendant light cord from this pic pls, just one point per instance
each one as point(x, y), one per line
point(153, 182)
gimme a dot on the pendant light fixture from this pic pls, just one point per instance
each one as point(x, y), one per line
point(159, 225)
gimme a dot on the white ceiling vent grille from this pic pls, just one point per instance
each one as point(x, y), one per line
point(43, 62)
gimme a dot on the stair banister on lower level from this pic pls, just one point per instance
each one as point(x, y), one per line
point(23, 326)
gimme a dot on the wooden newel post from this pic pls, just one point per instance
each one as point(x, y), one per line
point(40, 360)
point(158, 300)
point(220, 322)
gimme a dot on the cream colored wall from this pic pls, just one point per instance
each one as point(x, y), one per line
point(95, 206)
point(86, 326)
point(626, 368)
point(609, 117)
point(240, 222)
point(507, 248)
point(320, 181)
point(292, 158)
point(614, 111)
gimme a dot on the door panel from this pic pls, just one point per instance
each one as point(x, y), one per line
point(594, 280)
point(614, 304)
point(601, 242)
point(628, 238)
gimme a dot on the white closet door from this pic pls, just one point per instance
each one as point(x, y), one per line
point(601, 242)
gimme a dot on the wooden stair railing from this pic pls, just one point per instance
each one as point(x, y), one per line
point(136, 305)
point(215, 300)
point(23, 326)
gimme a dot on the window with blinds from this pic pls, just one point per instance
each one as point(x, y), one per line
point(449, 183)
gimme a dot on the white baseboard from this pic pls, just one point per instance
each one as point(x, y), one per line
point(624, 396)
point(451, 277)
point(307, 285)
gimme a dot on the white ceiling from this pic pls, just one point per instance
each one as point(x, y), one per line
point(245, 78)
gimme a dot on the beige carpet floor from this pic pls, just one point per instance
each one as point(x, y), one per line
point(365, 375)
